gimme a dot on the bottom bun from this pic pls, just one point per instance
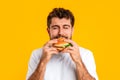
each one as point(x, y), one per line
point(60, 49)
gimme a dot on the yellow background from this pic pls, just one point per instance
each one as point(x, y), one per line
point(23, 29)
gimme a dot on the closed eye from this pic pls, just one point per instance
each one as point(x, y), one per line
point(54, 27)
point(66, 26)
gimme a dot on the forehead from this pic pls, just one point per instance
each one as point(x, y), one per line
point(58, 21)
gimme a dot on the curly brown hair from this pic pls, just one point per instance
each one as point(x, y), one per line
point(60, 13)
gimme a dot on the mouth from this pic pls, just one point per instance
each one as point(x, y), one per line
point(56, 37)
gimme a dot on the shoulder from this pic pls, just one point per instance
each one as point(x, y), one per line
point(88, 59)
point(85, 51)
point(34, 60)
point(37, 53)
point(86, 55)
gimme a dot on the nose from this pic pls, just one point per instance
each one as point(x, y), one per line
point(61, 32)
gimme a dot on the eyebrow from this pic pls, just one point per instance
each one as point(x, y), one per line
point(66, 25)
point(58, 25)
point(54, 26)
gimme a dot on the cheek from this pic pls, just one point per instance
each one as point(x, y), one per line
point(68, 33)
point(53, 33)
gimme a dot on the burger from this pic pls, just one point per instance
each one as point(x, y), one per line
point(61, 44)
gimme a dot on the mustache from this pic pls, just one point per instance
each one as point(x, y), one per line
point(56, 37)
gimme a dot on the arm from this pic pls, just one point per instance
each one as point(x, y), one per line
point(82, 72)
point(40, 71)
point(47, 53)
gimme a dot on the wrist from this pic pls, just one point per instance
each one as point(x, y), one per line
point(44, 60)
point(42, 64)
point(79, 62)
point(45, 57)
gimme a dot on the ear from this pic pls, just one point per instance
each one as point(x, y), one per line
point(48, 30)
point(72, 30)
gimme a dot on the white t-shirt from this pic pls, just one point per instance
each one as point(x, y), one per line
point(61, 66)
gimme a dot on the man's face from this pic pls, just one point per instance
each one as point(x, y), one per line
point(60, 28)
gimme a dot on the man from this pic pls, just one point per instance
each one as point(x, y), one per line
point(72, 63)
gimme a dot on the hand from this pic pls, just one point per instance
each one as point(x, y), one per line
point(73, 50)
point(49, 50)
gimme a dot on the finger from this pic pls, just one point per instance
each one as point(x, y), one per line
point(53, 51)
point(70, 41)
point(68, 51)
point(50, 51)
point(50, 43)
point(51, 48)
point(68, 48)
